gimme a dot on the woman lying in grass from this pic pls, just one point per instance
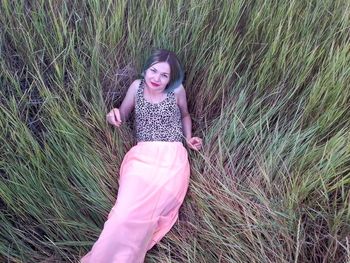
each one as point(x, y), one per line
point(154, 174)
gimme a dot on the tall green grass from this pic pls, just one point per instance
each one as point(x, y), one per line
point(268, 90)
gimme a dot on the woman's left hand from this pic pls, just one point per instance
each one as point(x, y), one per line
point(195, 143)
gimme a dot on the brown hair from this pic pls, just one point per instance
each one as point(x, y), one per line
point(176, 71)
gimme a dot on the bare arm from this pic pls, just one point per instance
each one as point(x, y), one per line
point(181, 99)
point(118, 115)
point(193, 142)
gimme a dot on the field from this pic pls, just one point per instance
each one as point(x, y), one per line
point(268, 90)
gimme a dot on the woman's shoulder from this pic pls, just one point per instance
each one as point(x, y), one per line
point(180, 90)
point(135, 85)
point(180, 94)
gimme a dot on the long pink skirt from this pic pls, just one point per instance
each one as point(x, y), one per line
point(153, 182)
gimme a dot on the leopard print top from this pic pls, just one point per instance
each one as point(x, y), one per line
point(157, 121)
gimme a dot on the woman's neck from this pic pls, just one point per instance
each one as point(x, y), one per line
point(152, 95)
point(153, 92)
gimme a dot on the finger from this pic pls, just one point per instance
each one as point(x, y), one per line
point(117, 123)
point(194, 147)
point(199, 141)
point(196, 142)
point(190, 145)
point(114, 123)
point(196, 139)
point(197, 145)
point(111, 120)
point(116, 115)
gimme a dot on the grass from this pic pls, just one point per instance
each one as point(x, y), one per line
point(267, 87)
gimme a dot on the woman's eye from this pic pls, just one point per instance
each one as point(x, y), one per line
point(165, 76)
point(153, 70)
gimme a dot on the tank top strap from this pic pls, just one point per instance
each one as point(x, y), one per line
point(139, 91)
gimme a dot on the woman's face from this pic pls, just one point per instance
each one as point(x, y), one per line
point(157, 76)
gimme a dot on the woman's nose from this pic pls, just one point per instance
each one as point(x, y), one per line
point(157, 77)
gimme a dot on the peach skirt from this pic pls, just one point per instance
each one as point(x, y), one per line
point(153, 182)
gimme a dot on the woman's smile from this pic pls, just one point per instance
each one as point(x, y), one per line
point(155, 84)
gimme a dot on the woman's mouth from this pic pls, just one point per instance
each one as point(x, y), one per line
point(155, 84)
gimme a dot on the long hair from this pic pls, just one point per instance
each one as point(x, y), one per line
point(176, 71)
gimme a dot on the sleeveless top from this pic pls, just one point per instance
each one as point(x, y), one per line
point(157, 121)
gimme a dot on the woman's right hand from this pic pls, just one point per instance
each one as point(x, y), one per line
point(113, 117)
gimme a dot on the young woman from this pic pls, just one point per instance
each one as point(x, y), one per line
point(154, 174)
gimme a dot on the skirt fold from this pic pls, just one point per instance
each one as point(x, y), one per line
point(153, 182)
